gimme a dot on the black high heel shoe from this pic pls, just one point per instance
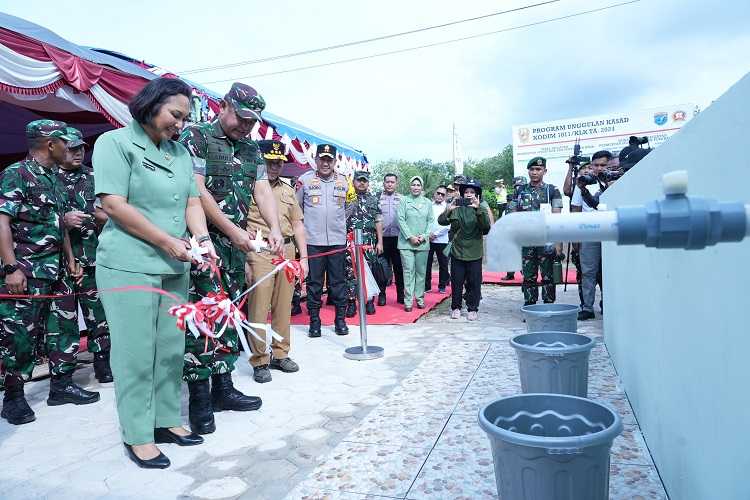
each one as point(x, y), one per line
point(164, 435)
point(158, 462)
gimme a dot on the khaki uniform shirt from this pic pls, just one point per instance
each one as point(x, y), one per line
point(156, 181)
point(289, 211)
point(323, 202)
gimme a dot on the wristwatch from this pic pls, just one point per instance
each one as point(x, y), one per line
point(10, 268)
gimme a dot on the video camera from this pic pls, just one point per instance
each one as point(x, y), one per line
point(633, 152)
point(603, 177)
point(577, 160)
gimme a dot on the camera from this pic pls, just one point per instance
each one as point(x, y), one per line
point(462, 202)
point(604, 177)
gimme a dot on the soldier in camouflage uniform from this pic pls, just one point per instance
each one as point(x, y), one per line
point(230, 175)
point(83, 227)
point(32, 247)
point(363, 213)
point(531, 197)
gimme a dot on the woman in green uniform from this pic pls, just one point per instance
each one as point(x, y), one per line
point(415, 219)
point(147, 188)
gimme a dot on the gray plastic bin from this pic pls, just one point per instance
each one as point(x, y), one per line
point(553, 362)
point(550, 446)
point(551, 317)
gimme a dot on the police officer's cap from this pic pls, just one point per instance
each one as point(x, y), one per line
point(326, 150)
point(537, 162)
point(272, 150)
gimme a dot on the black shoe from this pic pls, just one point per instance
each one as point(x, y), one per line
point(407, 309)
point(420, 305)
point(296, 309)
point(381, 299)
point(164, 435)
point(200, 413)
point(508, 277)
point(62, 391)
point(16, 409)
point(351, 309)
point(584, 315)
point(314, 329)
point(158, 462)
point(370, 307)
point(225, 397)
point(102, 370)
point(339, 323)
point(441, 289)
point(286, 365)
point(261, 374)
point(529, 303)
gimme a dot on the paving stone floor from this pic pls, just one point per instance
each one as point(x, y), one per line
point(400, 427)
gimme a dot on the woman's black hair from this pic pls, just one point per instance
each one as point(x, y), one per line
point(146, 104)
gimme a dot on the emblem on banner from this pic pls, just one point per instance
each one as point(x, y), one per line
point(661, 118)
point(524, 135)
point(679, 116)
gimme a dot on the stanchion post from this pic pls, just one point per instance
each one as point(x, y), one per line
point(363, 351)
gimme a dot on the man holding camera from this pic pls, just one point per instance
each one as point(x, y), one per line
point(530, 198)
point(591, 252)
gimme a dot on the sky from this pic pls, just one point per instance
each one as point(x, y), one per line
point(647, 54)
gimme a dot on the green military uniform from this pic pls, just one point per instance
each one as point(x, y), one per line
point(364, 213)
point(78, 185)
point(536, 259)
point(230, 169)
point(147, 347)
point(31, 196)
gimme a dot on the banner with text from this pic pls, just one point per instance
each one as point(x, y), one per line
point(554, 140)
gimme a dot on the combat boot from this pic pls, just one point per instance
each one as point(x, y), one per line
point(15, 408)
point(225, 397)
point(102, 370)
point(200, 413)
point(339, 323)
point(370, 307)
point(62, 390)
point(314, 330)
point(381, 299)
point(351, 309)
point(296, 309)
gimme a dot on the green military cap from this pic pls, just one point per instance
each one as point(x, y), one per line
point(272, 150)
point(48, 128)
point(78, 141)
point(361, 174)
point(537, 162)
point(246, 101)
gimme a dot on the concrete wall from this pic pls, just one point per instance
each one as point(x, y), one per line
point(677, 323)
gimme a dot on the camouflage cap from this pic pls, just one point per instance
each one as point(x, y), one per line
point(272, 150)
point(520, 180)
point(78, 138)
point(48, 128)
point(537, 162)
point(361, 174)
point(326, 150)
point(246, 101)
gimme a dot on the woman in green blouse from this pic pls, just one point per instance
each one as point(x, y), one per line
point(146, 186)
point(415, 219)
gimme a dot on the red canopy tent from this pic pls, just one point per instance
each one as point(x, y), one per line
point(45, 76)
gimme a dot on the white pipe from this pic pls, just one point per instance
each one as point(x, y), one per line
point(521, 229)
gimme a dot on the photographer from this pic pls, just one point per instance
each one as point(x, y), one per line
point(468, 217)
point(591, 252)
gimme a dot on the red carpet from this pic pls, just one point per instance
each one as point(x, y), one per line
point(496, 278)
point(389, 314)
